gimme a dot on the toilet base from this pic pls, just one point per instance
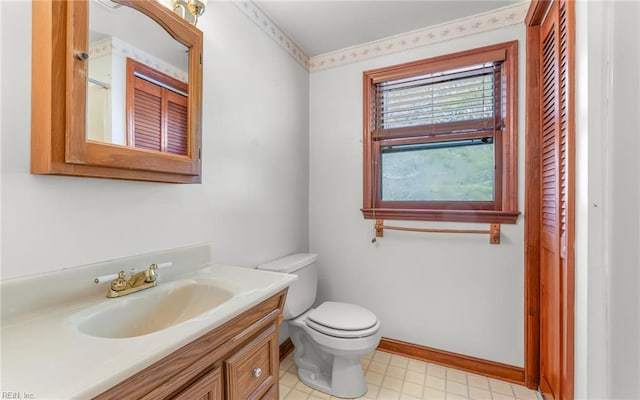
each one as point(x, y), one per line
point(346, 379)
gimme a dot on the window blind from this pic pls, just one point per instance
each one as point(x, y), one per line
point(460, 100)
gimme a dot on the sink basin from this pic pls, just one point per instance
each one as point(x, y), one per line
point(153, 309)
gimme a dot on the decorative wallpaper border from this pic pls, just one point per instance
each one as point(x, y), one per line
point(273, 31)
point(496, 19)
point(114, 45)
point(499, 18)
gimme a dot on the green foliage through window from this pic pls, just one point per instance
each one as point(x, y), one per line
point(439, 171)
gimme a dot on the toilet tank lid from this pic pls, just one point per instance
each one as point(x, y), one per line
point(290, 263)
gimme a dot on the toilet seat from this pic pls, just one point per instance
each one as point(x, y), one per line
point(343, 320)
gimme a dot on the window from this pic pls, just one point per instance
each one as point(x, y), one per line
point(157, 110)
point(440, 138)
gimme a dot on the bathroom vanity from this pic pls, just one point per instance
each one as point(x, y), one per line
point(238, 360)
point(205, 331)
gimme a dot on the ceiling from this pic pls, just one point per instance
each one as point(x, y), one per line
point(322, 26)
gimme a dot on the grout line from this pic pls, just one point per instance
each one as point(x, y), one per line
point(466, 382)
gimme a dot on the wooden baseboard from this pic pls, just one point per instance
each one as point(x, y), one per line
point(458, 361)
point(285, 349)
point(474, 365)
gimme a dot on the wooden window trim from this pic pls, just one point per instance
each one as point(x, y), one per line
point(505, 210)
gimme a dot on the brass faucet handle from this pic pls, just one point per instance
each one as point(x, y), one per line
point(119, 283)
point(150, 274)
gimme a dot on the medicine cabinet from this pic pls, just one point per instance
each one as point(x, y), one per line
point(65, 138)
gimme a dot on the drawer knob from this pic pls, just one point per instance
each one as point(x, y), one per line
point(256, 373)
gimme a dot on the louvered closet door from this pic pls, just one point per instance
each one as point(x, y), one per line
point(177, 140)
point(146, 122)
point(160, 119)
point(556, 279)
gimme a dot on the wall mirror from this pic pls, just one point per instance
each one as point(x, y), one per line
point(116, 93)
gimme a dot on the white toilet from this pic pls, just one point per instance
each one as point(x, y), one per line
point(330, 339)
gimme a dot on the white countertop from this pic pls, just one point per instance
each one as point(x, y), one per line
point(45, 357)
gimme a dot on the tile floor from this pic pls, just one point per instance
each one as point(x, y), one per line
point(392, 377)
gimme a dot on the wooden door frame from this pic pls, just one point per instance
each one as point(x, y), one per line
point(533, 21)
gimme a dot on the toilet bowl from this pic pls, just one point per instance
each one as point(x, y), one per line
point(328, 359)
point(329, 339)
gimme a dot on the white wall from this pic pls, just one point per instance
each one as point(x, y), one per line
point(454, 293)
point(252, 203)
point(624, 202)
point(607, 196)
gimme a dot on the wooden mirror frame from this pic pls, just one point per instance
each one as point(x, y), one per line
point(58, 99)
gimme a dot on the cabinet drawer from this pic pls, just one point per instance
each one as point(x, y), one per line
point(252, 370)
point(208, 387)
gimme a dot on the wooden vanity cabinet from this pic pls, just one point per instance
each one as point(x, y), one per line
point(253, 370)
point(209, 387)
point(236, 361)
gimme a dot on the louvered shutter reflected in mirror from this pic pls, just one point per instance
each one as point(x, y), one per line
point(157, 111)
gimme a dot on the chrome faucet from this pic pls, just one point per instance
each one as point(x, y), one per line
point(120, 286)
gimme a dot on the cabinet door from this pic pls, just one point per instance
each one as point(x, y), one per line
point(272, 394)
point(208, 387)
point(252, 370)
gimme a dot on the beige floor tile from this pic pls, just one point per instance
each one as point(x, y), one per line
point(297, 395)
point(372, 391)
point(456, 376)
point(284, 391)
point(433, 394)
point(418, 366)
point(437, 371)
point(397, 361)
point(391, 377)
point(396, 372)
point(303, 388)
point(374, 378)
point(377, 367)
point(412, 389)
point(499, 387)
point(368, 356)
point(392, 383)
point(523, 393)
point(478, 381)
point(293, 368)
point(319, 394)
point(479, 394)
point(414, 377)
point(499, 396)
point(289, 379)
point(457, 388)
point(435, 383)
point(404, 396)
point(387, 394)
point(286, 363)
point(382, 357)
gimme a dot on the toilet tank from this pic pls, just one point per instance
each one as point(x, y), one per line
point(302, 293)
